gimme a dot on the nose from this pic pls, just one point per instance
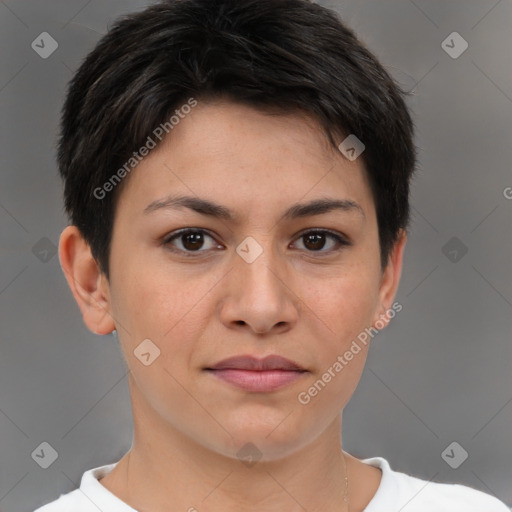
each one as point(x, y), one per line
point(259, 295)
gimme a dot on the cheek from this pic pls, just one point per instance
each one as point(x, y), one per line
point(149, 296)
point(166, 306)
point(345, 304)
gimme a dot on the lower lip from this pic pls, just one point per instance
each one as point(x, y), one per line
point(259, 381)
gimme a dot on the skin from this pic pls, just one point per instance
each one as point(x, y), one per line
point(304, 304)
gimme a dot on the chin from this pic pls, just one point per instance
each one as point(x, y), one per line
point(260, 443)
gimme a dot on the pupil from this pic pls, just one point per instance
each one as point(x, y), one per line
point(193, 240)
point(317, 240)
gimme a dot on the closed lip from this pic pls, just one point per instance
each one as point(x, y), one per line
point(247, 362)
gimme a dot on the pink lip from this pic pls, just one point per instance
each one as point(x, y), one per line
point(258, 380)
point(247, 362)
point(260, 375)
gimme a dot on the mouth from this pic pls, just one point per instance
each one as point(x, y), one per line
point(258, 375)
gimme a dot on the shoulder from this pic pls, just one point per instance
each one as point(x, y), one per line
point(455, 498)
point(74, 500)
point(91, 496)
point(408, 493)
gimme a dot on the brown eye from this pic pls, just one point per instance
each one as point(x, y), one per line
point(315, 241)
point(190, 240)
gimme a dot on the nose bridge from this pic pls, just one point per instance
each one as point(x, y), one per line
point(258, 264)
point(258, 296)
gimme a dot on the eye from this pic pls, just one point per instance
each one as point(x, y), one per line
point(315, 240)
point(190, 241)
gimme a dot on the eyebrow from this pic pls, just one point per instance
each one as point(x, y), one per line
point(299, 210)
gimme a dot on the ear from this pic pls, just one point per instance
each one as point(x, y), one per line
point(90, 287)
point(390, 280)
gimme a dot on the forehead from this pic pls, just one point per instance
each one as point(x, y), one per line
point(247, 157)
point(220, 127)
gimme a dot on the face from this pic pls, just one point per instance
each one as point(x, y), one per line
point(255, 282)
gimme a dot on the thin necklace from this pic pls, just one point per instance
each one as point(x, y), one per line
point(345, 498)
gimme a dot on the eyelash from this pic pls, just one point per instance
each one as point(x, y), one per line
point(341, 241)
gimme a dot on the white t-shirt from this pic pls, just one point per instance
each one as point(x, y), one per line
point(397, 492)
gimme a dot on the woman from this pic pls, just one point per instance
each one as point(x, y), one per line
point(237, 178)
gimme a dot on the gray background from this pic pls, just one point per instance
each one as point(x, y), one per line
point(439, 373)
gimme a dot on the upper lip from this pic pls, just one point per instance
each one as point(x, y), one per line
point(246, 362)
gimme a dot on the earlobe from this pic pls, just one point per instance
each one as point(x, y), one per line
point(88, 285)
point(390, 280)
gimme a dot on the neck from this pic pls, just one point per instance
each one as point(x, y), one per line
point(168, 470)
